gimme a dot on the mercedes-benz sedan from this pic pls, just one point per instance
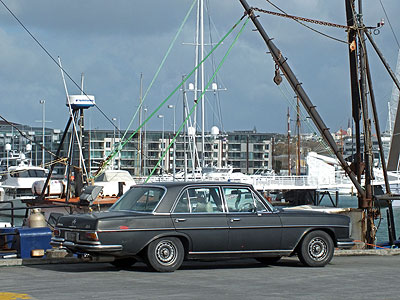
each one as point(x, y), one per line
point(167, 223)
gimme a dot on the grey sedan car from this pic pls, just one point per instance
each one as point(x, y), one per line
point(166, 223)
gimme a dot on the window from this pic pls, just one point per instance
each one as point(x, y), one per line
point(141, 199)
point(199, 200)
point(242, 200)
point(28, 173)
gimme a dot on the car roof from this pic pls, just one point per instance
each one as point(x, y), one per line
point(174, 184)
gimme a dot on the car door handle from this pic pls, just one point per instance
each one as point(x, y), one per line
point(235, 220)
point(179, 220)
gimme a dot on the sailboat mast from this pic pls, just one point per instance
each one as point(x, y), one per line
point(196, 87)
point(140, 144)
point(185, 128)
point(81, 125)
point(298, 137)
point(202, 83)
point(288, 141)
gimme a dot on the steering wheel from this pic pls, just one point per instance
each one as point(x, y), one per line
point(246, 207)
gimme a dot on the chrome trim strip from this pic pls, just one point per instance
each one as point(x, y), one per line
point(75, 229)
point(314, 225)
point(244, 251)
point(254, 227)
point(216, 213)
point(137, 229)
point(186, 228)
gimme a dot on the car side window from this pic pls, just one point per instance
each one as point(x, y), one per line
point(183, 204)
point(259, 205)
point(240, 200)
point(200, 200)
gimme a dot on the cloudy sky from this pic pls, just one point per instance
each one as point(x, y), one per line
point(113, 42)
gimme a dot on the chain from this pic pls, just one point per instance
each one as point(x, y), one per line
point(300, 18)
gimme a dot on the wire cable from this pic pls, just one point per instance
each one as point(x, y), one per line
point(53, 59)
point(390, 24)
point(159, 68)
point(108, 159)
point(201, 96)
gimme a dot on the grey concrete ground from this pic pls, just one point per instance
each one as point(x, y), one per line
point(346, 277)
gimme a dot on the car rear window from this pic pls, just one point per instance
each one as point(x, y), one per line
point(141, 199)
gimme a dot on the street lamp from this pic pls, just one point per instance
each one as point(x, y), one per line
point(174, 160)
point(162, 143)
point(43, 102)
point(8, 149)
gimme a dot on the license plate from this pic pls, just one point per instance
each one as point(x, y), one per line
point(70, 236)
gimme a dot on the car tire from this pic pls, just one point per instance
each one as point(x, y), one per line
point(316, 249)
point(165, 254)
point(124, 262)
point(268, 260)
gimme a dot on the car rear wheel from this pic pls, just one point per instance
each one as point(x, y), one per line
point(124, 262)
point(165, 254)
point(316, 249)
point(268, 260)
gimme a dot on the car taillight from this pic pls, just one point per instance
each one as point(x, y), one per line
point(56, 232)
point(89, 236)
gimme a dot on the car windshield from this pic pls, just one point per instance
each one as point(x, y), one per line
point(141, 199)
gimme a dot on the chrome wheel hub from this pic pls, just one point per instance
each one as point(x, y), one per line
point(318, 249)
point(166, 253)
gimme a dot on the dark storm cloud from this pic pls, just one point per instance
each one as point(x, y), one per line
point(112, 42)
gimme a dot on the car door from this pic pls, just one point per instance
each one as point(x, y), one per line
point(252, 225)
point(199, 213)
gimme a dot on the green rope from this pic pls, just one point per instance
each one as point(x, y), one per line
point(160, 67)
point(121, 145)
point(196, 103)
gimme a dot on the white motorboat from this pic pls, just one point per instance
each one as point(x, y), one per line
point(113, 180)
point(22, 182)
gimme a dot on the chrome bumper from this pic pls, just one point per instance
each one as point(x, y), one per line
point(60, 242)
point(345, 244)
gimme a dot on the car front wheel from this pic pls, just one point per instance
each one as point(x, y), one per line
point(165, 254)
point(316, 249)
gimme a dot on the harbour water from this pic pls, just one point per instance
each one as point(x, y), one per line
point(381, 223)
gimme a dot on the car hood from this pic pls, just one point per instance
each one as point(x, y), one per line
point(91, 220)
